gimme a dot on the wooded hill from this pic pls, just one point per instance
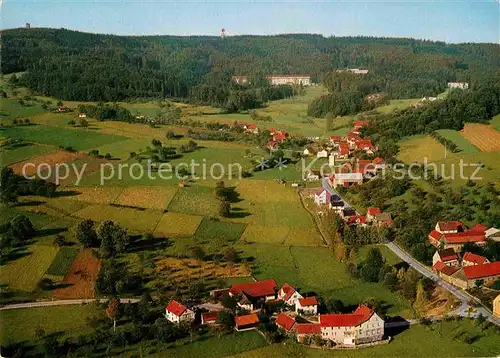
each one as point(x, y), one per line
point(74, 65)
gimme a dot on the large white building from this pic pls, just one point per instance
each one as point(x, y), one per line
point(277, 80)
point(461, 85)
point(356, 71)
point(362, 326)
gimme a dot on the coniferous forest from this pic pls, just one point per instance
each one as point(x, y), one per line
point(74, 65)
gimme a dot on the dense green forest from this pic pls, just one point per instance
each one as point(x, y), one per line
point(74, 65)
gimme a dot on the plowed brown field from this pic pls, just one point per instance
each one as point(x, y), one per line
point(482, 136)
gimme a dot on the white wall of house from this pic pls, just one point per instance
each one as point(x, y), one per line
point(306, 309)
point(322, 154)
point(187, 316)
point(369, 331)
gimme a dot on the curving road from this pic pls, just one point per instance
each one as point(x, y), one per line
point(464, 297)
point(15, 306)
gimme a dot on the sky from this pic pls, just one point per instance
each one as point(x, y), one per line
point(443, 20)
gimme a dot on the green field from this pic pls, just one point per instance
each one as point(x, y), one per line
point(439, 340)
point(26, 151)
point(463, 144)
point(79, 139)
point(216, 234)
point(11, 109)
point(396, 104)
point(195, 200)
point(495, 122)
point(19, 325)
point(417, 149)
point(62, 262)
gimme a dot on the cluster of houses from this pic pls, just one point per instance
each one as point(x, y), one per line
point(278, 136)
point(360, 327)
point(449, 237)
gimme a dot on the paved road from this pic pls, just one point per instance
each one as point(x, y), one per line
point(458, 293)
point(62, 303)
point(326, 185)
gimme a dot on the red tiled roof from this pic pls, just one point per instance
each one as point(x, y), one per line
point(378, 160)
point(353, 136)
point(176, 308)
point(308, 328)
point(210, 316)
point(360, 315)
point(449, 225)
point(246, 320)
point(478, 228)
point(359, 124)
point(373, 211)
point(364, 143)
point(357, 219)
point(308, 301)
point(447, 255)
point(287, 289)
point(271, 144)
point(480, 271)
point(463, 237)
point(436, 235)
point(251, 126)
point(476, 259)
point(285, 321)
point(255, 289)
point(447, 270)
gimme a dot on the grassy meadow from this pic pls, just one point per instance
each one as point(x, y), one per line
point(456, 137)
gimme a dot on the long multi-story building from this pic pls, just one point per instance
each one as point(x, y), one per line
point(277, 80)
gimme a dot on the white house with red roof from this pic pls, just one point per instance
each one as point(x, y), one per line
point(358, 125)
point(447, 256)
point(488, 272)
point(371, 213)
point(209, 317)
point(285, 322)
point(345, 179)
point(307, 305)
point(251, 128)
point(322, 197)
point(177, 313)
point(82, 115)
point(361, 326)
point(288, 294)
point(470, 259)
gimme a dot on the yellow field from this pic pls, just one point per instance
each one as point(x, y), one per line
point(23, 273)
point(177, 224)
point(95, 195)
point(156, 198)
point(142, 221)
point(264, 234)
point(415, 149)
point(265, 191)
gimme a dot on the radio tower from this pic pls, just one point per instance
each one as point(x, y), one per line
point(223, 33)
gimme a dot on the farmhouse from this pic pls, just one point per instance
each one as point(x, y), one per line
point(251, 128)
point(313, 175)
point(245, 322)
point(345, 179)
point(470, 259)
point(335, 139)
point(307, 305)
point(344, 150)
point(62, 109)
point(285, 323)
point(447, 256)
point(279, 135)
point(277, 80)
point(288, 294)
point(488, 272)
point(450, 274)
point(303, 330)
point(178, 313)
point(357, 220)
point(322, 197)
point(371, 213)
point(82, 115)
point(361, 326)
point(460, 85)
point(451, 234)
point(209, 317)
point(358, 125)
point(347, 212)
point(253, 294)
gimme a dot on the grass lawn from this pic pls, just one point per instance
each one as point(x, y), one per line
point(26, 151)
point(303, 237)
point(215, 234)
point(462, 143)
point(390, 256)
point(136, 220)
point(156, 198)
point(396, 104)
point(495, 122)
point(438, 340)
point(24, 272)
point(11, 108)
point(19, 325)
point(265, 234)
point(80, 139)
point(213, 347)
point(196, 200)
point(38, 220)
point(417, 148)
point(177, 224)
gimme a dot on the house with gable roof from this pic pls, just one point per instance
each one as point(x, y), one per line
point(307, 305)
point(178, 313)
point(361, 326)
point(285, 323)
point(447, 256)
point(303, 330)
point(288, 294)
point(470, 259)
point(451, 234)
point(322, 197)
point(253, 294)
